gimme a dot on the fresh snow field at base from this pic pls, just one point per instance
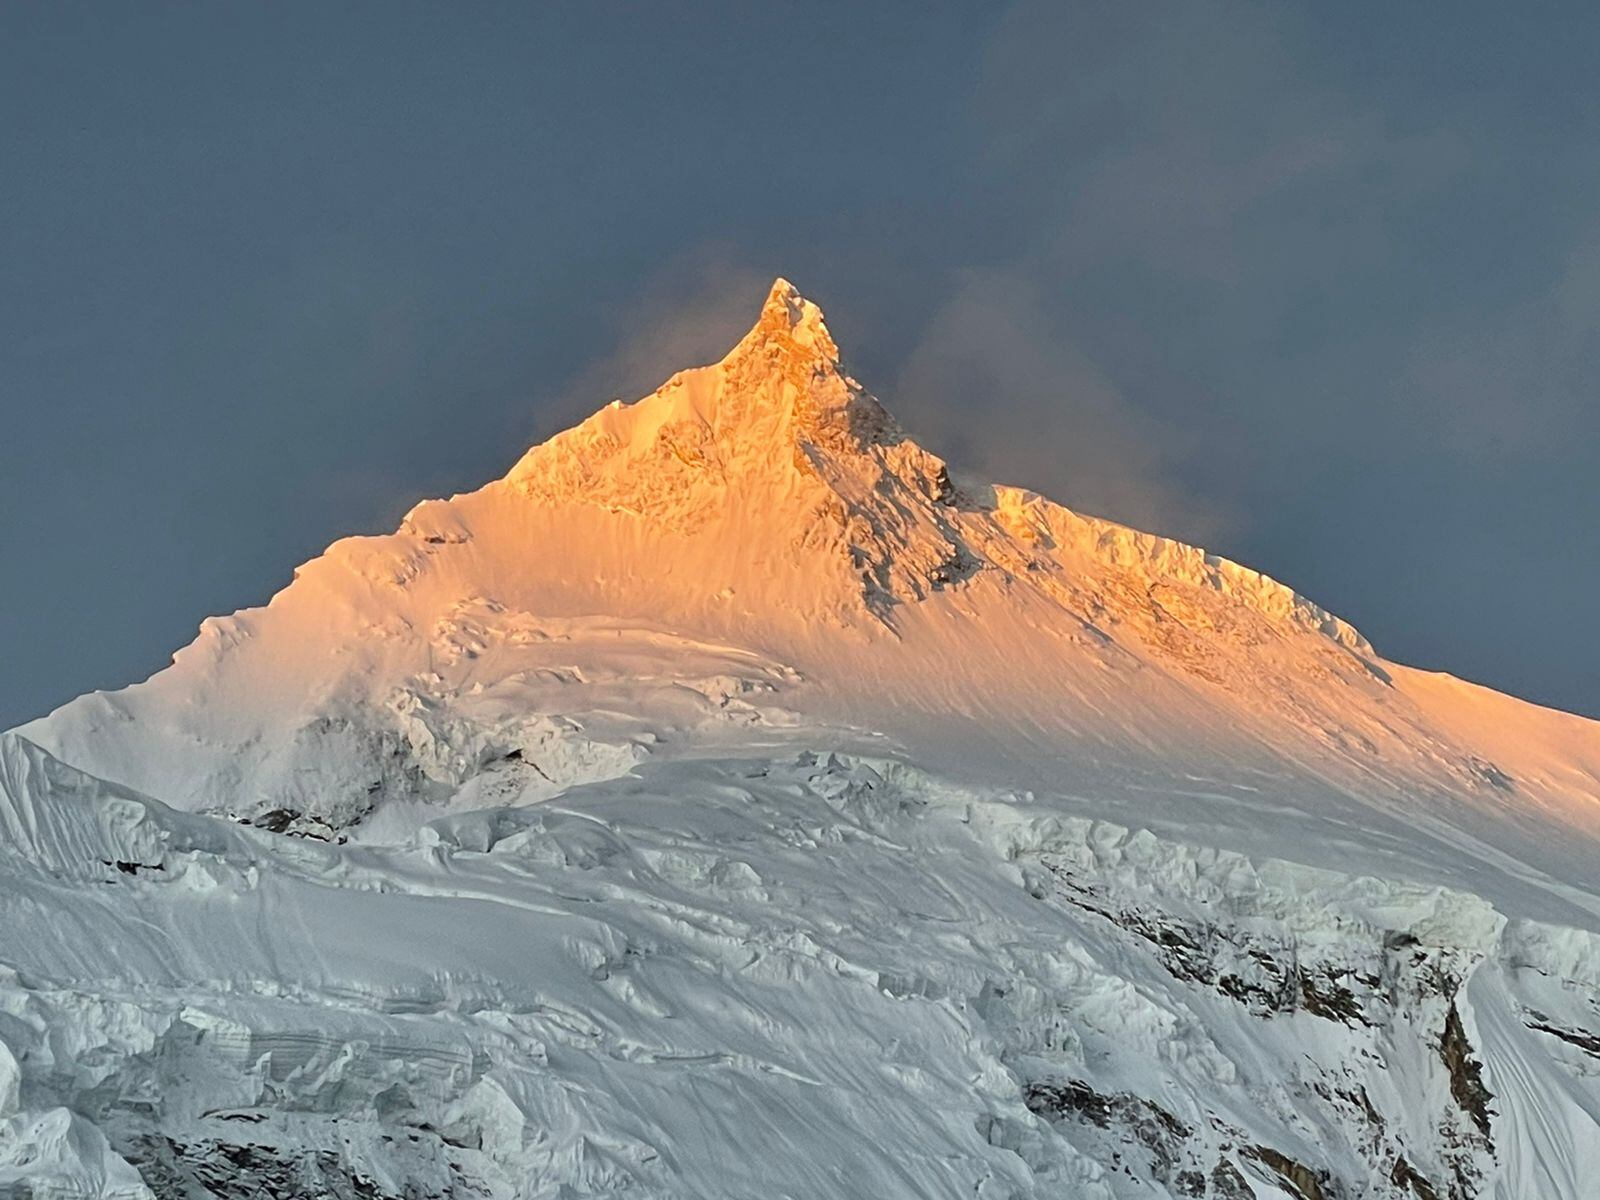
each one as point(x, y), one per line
point(730, 803)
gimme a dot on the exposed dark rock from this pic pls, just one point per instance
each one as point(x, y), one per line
point(1324, 996)
point(230, 1171)
point(131, 868)
point(1228, 1184)
point(1261, 974)
point(1466, 1073)
point(1193, 953)
point(1160, 1132)
point(1069, 1099)
point(293, 823)
point(1302, 1180)
point(1406, 1176)
point(1582, 1039)
point(276, 820)
point(1374, 1118)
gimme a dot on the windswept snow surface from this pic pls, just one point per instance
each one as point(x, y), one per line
point(728, 803)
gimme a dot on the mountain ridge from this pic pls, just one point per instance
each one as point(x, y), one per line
point(791, 392)
point(768, 502)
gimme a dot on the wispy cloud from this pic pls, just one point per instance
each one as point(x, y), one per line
point(689, 312)
point(993, 387)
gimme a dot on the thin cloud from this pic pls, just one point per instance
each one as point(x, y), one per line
point(686, 315)
point(989, 383)
point(995, 388)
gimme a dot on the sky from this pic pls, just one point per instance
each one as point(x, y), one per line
point(1315, 286)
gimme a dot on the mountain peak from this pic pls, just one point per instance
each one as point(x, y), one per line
point(776, 446)
point(749, 730)
point(790, 328)
point(769, 408)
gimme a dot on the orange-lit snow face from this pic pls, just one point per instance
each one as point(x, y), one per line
point(767, 505)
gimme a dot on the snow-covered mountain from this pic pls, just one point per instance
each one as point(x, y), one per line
point(729, 802)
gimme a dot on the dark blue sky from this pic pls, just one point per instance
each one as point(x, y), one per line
point(1315, 285)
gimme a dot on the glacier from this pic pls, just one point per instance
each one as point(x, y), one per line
point(734, 801)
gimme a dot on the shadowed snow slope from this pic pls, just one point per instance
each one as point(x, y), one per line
point(727, 802)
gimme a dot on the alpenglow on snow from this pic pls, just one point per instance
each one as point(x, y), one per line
point(731, 802)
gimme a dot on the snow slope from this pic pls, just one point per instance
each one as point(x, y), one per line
point(726, 803)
